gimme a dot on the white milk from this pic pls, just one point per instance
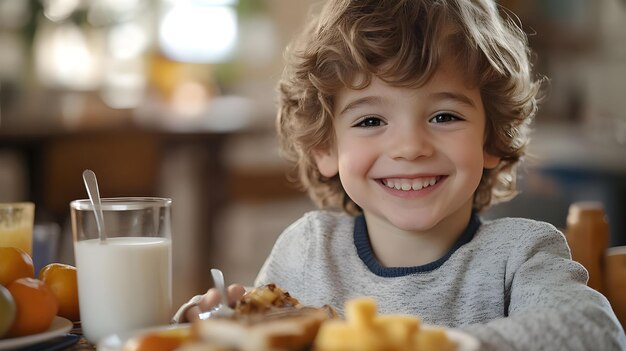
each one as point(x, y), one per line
point(124, 284)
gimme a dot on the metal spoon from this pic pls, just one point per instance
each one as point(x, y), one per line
point(91, 183)
point(223, 309)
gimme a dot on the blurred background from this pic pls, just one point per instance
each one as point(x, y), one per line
point(176, 98)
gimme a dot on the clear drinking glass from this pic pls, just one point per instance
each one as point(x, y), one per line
point(125, 282)
point(16, 225)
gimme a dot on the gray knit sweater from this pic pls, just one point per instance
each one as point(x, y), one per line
point(509, 282)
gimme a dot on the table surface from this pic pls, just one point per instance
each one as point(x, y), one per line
point(82, 344)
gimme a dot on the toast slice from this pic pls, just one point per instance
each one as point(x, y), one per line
point(266, 319)
point(292, 328)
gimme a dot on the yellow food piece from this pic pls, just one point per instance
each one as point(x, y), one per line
point(364, 330)
point(399, 330)
point(361, 312)
point(337, 335)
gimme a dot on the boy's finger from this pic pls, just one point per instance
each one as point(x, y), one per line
point(235, 292)
point(192, 313)
point(209, 300)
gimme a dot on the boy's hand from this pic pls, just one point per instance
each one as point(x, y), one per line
point(212, 299)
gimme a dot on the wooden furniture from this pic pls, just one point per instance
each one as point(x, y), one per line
point(587, 234)
point(615, 280)
point(132, 161)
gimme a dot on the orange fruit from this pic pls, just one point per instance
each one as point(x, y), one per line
point(61, 279)
point(14, 264)
point(166, 340)
point(36, 307)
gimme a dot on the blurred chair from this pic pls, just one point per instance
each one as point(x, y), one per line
point(587, 234)
point(615, 280)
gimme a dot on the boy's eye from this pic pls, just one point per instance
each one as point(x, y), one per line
point(444, 117)
point(370, 121)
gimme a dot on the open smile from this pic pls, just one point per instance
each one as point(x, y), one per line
point(413, 184)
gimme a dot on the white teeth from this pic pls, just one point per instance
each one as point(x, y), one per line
point(417, 184)
point(410, 184)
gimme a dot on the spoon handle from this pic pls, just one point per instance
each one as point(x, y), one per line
point(218, 279)
point(91, 183)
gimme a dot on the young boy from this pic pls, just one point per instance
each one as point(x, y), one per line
point(404, 119)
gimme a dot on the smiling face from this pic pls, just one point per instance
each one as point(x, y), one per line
point(410, 157)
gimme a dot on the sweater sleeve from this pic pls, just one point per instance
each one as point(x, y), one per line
point(550, 307)
point(285, 264)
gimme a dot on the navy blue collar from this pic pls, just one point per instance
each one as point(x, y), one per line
point(364, 249)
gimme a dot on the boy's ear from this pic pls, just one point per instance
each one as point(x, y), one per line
point(491, 161)
point(327, 162)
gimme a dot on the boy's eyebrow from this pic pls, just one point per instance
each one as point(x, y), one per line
point(443, 95)
point(449, 95)
point(366, 100)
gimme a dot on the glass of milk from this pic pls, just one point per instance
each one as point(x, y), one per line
point(124, 282)
point(16, 225)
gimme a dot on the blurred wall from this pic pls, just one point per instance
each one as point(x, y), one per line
point(578, 149)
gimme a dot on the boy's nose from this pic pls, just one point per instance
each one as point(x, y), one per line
point(411, 144)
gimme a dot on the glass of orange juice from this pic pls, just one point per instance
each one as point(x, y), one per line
point(16, 225)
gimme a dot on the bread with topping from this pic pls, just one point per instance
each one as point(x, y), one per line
point(266, 319)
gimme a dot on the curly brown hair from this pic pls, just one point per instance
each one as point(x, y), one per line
point(403, 42)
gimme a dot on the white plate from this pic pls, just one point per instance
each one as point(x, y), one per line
point(115, 342)
point(58, 327)
point(464, 341)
